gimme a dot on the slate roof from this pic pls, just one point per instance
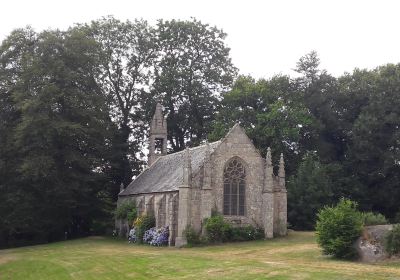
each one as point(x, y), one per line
point(166, 173)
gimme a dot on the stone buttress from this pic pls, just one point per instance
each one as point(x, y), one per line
point(185, 197)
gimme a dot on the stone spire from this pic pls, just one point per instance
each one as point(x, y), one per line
point(158, 135)
point(157, 123)
point(121, 187)
point(187, 168)
point(268, 157)
point(281, 172)
point(269, 171)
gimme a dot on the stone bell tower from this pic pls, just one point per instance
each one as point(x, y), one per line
point(158, 135)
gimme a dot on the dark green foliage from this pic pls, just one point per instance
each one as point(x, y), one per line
point(371, 219)
point(132, 215)
point(338, 228)
point(396, 219)
point(375, 151)
point(247, 233)
point(148, 222)
point(102, 226)
point(217, 229)
point(308, 191)
point(350, 122)
point(392, 241)
point(192, 237)
point(142, 224)
point(127, 210)
point(193, 70)
point(271, 115)
point(126, 54)
point(58, 138)
point(74, 108)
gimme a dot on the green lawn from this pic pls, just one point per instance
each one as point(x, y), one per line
point(294, 257)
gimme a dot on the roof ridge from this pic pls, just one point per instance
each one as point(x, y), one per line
point(190, 149)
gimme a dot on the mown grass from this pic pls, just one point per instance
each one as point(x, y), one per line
point(294, 257)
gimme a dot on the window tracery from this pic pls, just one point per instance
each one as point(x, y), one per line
point(234, 188)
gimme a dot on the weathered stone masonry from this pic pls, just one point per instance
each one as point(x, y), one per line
point(183, 188)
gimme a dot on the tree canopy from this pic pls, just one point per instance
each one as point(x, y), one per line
point(75, 107)
point(74, 111)
point(350, 123)
point(56, 136)
point(193, 70)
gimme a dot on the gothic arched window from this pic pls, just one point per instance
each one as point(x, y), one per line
point(234, 188)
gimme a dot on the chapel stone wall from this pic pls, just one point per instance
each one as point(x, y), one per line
point(164, 207)
point(237, 144)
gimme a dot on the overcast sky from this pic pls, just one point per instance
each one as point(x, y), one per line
point(265, 37)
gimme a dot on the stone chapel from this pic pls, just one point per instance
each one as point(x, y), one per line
point(229, 176)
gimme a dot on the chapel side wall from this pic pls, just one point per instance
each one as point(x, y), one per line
point(195, 219)
point(206, 192)
point(239, 145)
point(162, 205)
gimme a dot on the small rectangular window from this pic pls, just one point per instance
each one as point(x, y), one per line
point(159, 143)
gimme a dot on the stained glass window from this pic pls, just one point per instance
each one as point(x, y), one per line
point(234, 188)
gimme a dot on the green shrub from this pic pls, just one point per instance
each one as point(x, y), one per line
point(102, 226)
point(309, 190)
point(247, 233)
point(192, 237)
point(338, 228)
point(371, 219)
point(392, 241)
point(396, 219)
point(131, 216)
point(142, 224)
point(126, 210)
point(217, 229)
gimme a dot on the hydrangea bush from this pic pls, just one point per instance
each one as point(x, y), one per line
point(149, 235)
point(132, 235)
point(143, 224)
point(160, 237)
point(156, 236)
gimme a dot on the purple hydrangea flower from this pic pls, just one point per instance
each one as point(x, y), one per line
point(149, 235)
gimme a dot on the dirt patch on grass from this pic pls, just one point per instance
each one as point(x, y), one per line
point(6, 259)
point(352, 267)
point(292, 249)
point(97, 237)
point(273, 263)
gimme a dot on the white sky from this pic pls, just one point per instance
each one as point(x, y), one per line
point(265, 37)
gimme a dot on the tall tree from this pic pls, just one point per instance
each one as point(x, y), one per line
point(375, 148)
point(319, 93)
point(272, 115)
point(12, 63)
point(192, 71)
point(309, 190)
point(60, 138)
point(127, 55)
